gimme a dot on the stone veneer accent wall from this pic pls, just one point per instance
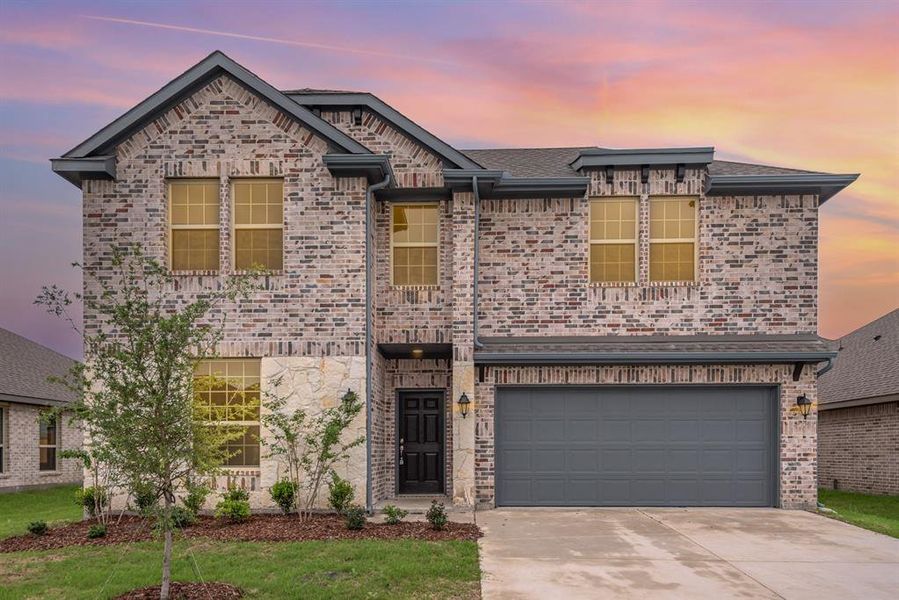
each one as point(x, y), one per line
point(798, 477)
point(858, 448)
point(21, 456)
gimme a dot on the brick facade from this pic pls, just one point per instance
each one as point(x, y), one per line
point(858, 448)
point(21, 468)
point(757, 273)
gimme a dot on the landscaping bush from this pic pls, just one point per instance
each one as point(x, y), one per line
point(284, 494)
point(340, 494)
point(182, 517)
point(145, 497)
point(235, 506)
point(437, 515)
point(394, 514)
point(96, 531)
point(195, 498)
point(355, 517)
point(93, 499)
point(37, 527)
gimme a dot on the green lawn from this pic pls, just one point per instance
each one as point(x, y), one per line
point(53, 505)
point(877, 513)
point(336, 569)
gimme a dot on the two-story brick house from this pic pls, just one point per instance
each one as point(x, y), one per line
point(556, 326)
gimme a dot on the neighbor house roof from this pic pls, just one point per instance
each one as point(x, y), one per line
point(650, 349)
point(24, 369)
point(866, 369)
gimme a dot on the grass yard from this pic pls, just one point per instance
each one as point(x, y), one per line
point(877, 513)
point(309, 570)
point(53, 505)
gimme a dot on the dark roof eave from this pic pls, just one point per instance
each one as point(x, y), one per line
point(618, 358)
point(76, 170)
point(498, 184)
point(635, 157)
point(392, 116)
point(199, 74)
point(374, 167)
point(16, 399)
point(823, 184)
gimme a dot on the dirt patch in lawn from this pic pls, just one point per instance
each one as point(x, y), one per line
point(187, 591)
point(258, 528)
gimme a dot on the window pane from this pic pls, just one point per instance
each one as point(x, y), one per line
point(612, 263)
point(672, 218)
point(47, 459)
point(258, 202)
point(415, 223)
point(671, 262)
point(195, 249)
point(194, 202)
point(258, 248)
point(47, 433)
point(613, 219)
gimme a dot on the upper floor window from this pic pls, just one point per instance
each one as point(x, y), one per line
point(613, 240)
point(672, 239)
point(414, 244)
point(258, 224)
point(194, 224)
point(48, 443)
point(228, 394)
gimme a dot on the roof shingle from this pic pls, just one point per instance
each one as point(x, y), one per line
point(25, 367)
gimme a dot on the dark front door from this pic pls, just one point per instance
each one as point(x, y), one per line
point(420, 443)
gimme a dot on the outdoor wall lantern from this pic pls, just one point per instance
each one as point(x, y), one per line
point(464, 402)
point(804, 404)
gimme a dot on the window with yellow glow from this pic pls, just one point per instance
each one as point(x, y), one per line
point(672, 239)
point(613, 240)
point(194, 224)
point(414, 244)
point(227, 393)
point(48, 443)
point(259, 224)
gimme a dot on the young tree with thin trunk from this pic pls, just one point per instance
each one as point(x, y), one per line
point(136, 391)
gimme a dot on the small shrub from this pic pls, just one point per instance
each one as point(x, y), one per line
point(96, 531)
point(237, 494)
point(233, 510)
point(182, 517)
point(437, 515)
point(284, 494)
point(394, 514)
point(37, 527)
point(145, 497)
point(355, 517)
point(90, 497)
point(340, 494)
point(195, 498)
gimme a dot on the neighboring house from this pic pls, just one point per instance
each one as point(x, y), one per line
point(30, 447)
point(629, 327)
point(858, 411)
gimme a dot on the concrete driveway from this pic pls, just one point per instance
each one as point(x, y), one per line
point(682, 553)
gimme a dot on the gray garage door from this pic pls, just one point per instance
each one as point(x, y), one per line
point(635, 446)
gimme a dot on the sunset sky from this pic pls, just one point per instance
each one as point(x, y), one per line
point(812, 85)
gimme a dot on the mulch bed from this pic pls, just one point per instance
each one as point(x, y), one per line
point(258, 528)
point(186, 591)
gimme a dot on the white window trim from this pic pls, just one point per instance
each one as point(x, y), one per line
point(266, 226)
point(182, 227)
point(395, 244)
point(4, 428)
point(693, 240)
point(56, 446)
point(635, 241)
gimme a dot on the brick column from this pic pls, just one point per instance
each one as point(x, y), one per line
point(463, 348)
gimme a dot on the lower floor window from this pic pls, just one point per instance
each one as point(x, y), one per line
point(48, 443)
point(2, 439)
point(228, 395)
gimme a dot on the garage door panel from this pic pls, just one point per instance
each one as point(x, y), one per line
point(652, 446)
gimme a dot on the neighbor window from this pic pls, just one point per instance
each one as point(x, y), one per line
point(414, 243)
point(613, 240)
point(2, 440)
point(48, 442)
point(227, 393)
point(194, 222)
point(672, 239)
point(258, 224)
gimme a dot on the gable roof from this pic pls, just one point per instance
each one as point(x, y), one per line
point(198, 75)
point(339, 99)
point(866, 366)
point(25, 367)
